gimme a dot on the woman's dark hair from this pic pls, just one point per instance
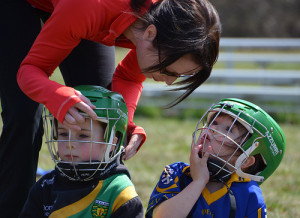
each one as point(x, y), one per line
point(185, 27)
point(136, 5)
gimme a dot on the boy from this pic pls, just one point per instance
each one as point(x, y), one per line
point(238, 147)
point(88, 179)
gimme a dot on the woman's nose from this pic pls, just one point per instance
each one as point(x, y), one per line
point(169, 80)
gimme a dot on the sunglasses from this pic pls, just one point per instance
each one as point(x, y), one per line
point(167, 73)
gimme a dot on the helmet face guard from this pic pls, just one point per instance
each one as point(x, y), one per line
point(262, 138)
point(112, 114)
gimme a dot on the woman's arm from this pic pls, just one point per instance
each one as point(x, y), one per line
point(128, 81)
point(61, 33)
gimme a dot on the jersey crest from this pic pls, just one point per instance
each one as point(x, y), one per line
point(100, 209)
point(167, 175)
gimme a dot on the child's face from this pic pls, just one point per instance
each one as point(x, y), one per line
point(78, 151)
point(221, 145)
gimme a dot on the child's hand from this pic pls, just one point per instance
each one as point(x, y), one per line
point(73, 117)
point(199, 170)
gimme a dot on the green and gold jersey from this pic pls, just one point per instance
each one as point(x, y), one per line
point(54, 196)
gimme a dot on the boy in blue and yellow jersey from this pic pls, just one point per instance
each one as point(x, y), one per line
point(236, 146)
point(88, 179)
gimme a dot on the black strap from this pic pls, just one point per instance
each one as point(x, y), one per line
point(232, 202)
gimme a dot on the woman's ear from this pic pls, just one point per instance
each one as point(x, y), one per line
point(150, 33)
point(249, 162)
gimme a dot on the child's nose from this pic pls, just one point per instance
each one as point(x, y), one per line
point(72, 144)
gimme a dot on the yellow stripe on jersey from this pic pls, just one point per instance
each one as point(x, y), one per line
point(259, 213)
point(212, 197)
point(125, 195)
point(78, 205)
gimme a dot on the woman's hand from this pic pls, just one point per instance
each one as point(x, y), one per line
point(73, 117)
point(132, 146)
point(198, 165)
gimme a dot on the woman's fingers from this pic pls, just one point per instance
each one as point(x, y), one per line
point(132, 146)
point(83, 107)
point(70, 122)
point(86, 105)
point(73, 117)
point(85, 99)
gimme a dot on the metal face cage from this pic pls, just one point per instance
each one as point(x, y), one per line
point(87, 169)
point(229, 153)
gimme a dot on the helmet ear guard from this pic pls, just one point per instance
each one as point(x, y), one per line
point(112, 111)
point(241, 159)
point(266, 141)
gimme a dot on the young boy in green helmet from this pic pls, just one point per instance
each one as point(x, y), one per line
point(88, 179)
point(236, 146)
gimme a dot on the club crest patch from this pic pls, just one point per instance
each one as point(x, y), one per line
point(100, 209)
point(166, 177)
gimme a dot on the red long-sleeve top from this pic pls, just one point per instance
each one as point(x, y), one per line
point(102, 21)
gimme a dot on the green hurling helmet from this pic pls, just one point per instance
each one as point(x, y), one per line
point(263, 140)
point(103, 148)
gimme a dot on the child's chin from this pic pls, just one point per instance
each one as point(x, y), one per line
point(69, 159)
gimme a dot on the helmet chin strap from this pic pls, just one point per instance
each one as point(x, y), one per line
point(218, 172)
point(109, 145)
point(107, 157)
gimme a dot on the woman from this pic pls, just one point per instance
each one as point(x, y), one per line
point(169, 39)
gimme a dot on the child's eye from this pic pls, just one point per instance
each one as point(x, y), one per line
point(214, 123)
point(63, 134)
point(84, 136)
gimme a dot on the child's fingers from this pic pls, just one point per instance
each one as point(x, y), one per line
point(195, 149)
point(206, 154)
point(195, 159)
